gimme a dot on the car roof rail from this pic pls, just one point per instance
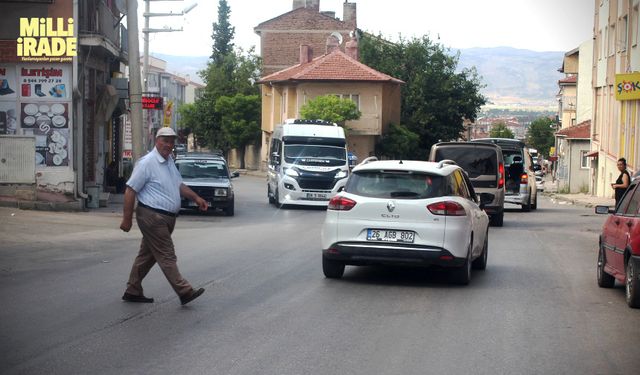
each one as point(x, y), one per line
point(369, 160)
point(444, 162)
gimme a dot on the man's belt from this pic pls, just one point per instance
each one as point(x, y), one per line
point(162, 212)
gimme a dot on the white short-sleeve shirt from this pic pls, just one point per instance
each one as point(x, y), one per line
point(157, 181)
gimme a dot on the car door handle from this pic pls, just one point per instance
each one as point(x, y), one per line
point(629, 224)
point(617, 222)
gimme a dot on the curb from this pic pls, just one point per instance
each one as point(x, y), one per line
point(580, 202)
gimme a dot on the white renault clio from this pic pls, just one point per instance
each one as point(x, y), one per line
point(406, 213)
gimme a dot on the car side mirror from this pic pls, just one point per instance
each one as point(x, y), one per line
point(235, 174)
point(604, 210)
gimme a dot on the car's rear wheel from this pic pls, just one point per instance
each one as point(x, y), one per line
point(633, 284)
point(480, 263)
point(497, 219)
point(604, 279)
point(534, 205)
point(332, 269)
point(527, 206)
point(462, 275)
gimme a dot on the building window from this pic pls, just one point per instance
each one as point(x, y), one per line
point(624, 31)
point(584, 159)
point(354, 97)
point(635, 30)
point(612, 40)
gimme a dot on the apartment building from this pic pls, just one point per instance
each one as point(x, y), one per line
point(616, 91)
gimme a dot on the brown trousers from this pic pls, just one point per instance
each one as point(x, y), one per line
point(156, 247)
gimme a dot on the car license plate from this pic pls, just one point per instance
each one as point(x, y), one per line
point(390, 235)
point(194, 204)
point(318, 196)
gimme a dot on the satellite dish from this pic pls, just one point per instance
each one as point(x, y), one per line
point(121, 5)
point(338, 37)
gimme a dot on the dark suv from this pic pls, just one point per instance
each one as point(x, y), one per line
point(520, 180)
point(208, 176)
point(484, 165)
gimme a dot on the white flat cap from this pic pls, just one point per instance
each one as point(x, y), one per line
point(166, 132)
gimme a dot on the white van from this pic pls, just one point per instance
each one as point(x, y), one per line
point(308, 163)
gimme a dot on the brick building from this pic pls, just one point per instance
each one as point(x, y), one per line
point(282, 36)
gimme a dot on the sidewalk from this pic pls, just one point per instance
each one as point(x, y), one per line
point(58, 202)
point(582, 199)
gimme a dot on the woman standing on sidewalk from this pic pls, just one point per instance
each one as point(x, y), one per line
point(622, 183)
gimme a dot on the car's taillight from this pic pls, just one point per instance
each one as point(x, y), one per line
point(339, 203)
point(524, 178)
point(447, 208)
point(501, 177)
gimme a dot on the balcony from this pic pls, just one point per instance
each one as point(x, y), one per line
point(100, 28)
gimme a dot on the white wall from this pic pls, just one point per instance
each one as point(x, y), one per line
point(584, 110)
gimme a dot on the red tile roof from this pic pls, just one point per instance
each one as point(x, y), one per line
point(580, 131)
point(334, 66)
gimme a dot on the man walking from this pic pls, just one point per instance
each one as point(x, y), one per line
point(157, 185)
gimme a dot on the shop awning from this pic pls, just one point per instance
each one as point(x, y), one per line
point(592, 154)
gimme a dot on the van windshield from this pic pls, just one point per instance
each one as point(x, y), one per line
point(315, 155)
point(476, 162)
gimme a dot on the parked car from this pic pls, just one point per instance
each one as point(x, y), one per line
point(484, 164)
point(208, 175)
point(619, 248)
point(412, 213)
point(520, 183)
point(180, 148)
point(539, 183)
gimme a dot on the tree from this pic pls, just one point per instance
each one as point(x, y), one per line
point(540, 135)
point(399, 143)
point(223, 34)
point(500, 130)
point(240, 121)
point(330, 108)
point(229, 72)
point(436, 98)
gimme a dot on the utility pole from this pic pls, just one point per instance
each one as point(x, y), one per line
point(146, 31)
point(135, 92)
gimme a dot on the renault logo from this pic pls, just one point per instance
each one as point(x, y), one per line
point(391, 206)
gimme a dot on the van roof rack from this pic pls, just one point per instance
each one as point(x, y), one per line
point(310, 122)
point(444, 162)
point(369, 160)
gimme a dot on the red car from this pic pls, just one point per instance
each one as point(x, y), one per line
point(619, 253)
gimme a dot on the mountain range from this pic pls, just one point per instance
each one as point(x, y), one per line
point(513, 78)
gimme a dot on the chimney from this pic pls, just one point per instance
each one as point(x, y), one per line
point(351, 49)
point(306, 54)
point(298, 4)
point(313, 4)
point(332, 44)
point(349, 14)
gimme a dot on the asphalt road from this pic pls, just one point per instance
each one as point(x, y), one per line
point(268, 309)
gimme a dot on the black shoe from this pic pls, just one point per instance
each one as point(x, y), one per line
point(133, 298)
point(190, 297)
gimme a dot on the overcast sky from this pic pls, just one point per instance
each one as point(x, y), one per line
point(538, 25)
